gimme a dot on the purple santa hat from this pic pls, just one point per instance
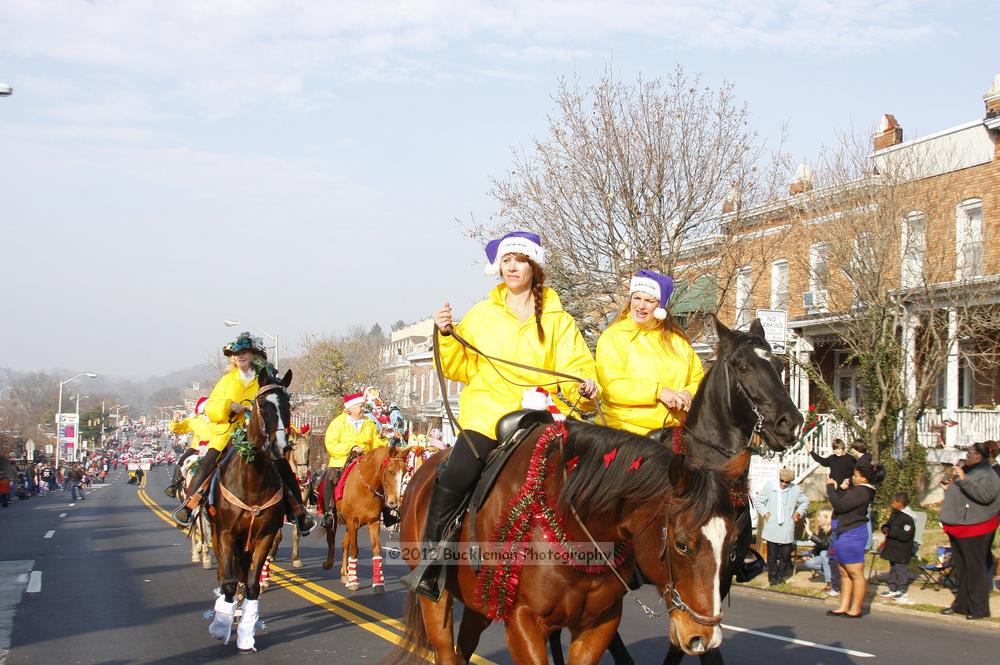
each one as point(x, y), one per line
point(515, 242)
point(656, 285)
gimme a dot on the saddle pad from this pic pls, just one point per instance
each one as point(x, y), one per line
point(338, 492)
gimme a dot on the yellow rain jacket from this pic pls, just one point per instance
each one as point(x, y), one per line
point(633, 367)
point(341, 437)
point(230, 388)
point(492, 326)
point(198, 427)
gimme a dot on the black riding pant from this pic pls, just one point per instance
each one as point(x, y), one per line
point(332, 477)
point(288, 477)
point(462, 470)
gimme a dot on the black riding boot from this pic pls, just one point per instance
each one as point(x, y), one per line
point(205, 468)
point(332, 476)
point(440, 513)
point(293, 500)
point(389, 518)
point(178, 479)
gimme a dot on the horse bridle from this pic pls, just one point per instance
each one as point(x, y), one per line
point(385, 463)
point(269, 388)
point(671, 597)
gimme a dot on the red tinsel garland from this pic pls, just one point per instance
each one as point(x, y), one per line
point(531, 507)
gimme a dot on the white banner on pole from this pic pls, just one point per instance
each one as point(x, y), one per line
point(68, 433)
point(775, 322)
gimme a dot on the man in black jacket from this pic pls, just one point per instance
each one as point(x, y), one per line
point(898, 549)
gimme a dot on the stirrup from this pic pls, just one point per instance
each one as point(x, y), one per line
point(171, 491)
point(190, 517)
point(429, 577)
point(299, 519)
point(327, 521)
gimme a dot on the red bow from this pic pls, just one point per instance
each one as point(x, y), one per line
point(635, 464)
point(610, 457)
point(571, 463)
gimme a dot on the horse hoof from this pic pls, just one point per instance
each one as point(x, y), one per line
point(378, 589)
point(195, 559)
point(296, 564)
point(327, 565)
point(246, 651)
point(351, 587)
point(207, 564)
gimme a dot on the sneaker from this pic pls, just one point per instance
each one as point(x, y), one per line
point(903, 600)
point(833, 593)
point(890, 594)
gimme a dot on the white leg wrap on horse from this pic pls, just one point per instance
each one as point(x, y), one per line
point(352, 572)
point(222, 622)
point(248, 623)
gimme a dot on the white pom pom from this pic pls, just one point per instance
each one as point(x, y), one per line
point(660, 313)
point(492, 270)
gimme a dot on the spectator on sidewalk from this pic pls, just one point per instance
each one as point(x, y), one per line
point(841, 464)
point(898, 549)
point(994, 450)
point(851, 502)
point(819, 559)
point(781, 505)
point(969, 515)
point(4, 490)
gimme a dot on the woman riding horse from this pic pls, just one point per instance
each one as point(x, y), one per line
point(520, 320)
point(225, 407)
point(201, 431)
point(347, 433)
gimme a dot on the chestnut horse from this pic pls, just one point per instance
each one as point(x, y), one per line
point(375, 482)
point(249, 509)
point(578, 483)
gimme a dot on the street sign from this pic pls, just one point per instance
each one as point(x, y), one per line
point(775, 322)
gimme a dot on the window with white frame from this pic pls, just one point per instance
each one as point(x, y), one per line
point(914, 247)
point(969, 239)
point(744, 288)
point(819, 274)
point(779, 284)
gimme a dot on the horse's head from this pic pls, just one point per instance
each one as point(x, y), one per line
point(393, 472)
point(754, 389)
point(271, 416)
point(696, 544)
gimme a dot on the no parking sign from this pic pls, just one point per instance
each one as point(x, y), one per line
point(775, 322)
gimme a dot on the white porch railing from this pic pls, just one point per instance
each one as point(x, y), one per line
point(972, 425)
point(821, 438)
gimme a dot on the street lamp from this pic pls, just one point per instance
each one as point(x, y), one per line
point(229, 324)
point(89, 375)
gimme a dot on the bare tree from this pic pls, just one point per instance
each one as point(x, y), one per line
point(627, 176)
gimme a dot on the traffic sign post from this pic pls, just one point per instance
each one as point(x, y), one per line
point(775, 322)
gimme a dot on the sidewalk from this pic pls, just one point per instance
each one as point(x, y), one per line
point(925, 601)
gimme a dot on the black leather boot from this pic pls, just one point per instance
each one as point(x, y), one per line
point(293, 498)
point(195, 493)
point(440, 512)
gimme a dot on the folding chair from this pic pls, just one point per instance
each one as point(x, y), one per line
point(937, 575)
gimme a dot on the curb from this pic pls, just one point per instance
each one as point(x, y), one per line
point(882, 608)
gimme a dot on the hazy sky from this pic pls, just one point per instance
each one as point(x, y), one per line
point(300, 165)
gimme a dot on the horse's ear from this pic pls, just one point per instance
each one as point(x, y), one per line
point(286, 380)
point(757, 329)
point(677, 473)
point(724, 334)
point(737, 466)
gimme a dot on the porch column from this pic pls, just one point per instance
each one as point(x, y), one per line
point(803, 351)
point(951, 378)
point(909, 343)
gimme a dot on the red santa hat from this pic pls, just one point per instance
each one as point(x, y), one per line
point(539, 399)
point(199, 407)
point(354, 399)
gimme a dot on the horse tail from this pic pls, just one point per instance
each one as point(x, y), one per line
point(416, 647)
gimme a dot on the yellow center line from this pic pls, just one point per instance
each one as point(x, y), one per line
point(331, 601)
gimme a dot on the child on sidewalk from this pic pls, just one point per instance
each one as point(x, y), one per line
point(898, 549)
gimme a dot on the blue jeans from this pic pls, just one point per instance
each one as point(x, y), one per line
point(73, 487)
point(820, 563)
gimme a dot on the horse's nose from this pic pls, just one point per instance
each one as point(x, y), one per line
point(696, 645)
point(787, 426)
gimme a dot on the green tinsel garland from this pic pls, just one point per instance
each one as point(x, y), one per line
point(244, 448)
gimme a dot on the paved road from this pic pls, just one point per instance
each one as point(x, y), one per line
point(109, 582)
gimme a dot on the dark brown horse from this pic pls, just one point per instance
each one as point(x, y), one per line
point(375, 482)
point(629, 493)
point(249, 509)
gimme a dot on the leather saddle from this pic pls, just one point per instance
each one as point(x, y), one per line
point(511, 431)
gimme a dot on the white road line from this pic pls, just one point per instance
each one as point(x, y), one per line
point(49, 534)
point(62, 514)
point(804, 643)
point(34, 582)
point(71, 505)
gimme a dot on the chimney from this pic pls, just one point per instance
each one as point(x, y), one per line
point(992, 99)
point(802, 182)
point(889, 133)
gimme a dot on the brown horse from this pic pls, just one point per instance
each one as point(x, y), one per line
point(564, 486)
point(375, 482)
point(249, 510)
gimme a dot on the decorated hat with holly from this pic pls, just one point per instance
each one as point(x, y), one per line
point(245, 342)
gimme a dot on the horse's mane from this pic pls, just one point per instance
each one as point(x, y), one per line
point(596, 488)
